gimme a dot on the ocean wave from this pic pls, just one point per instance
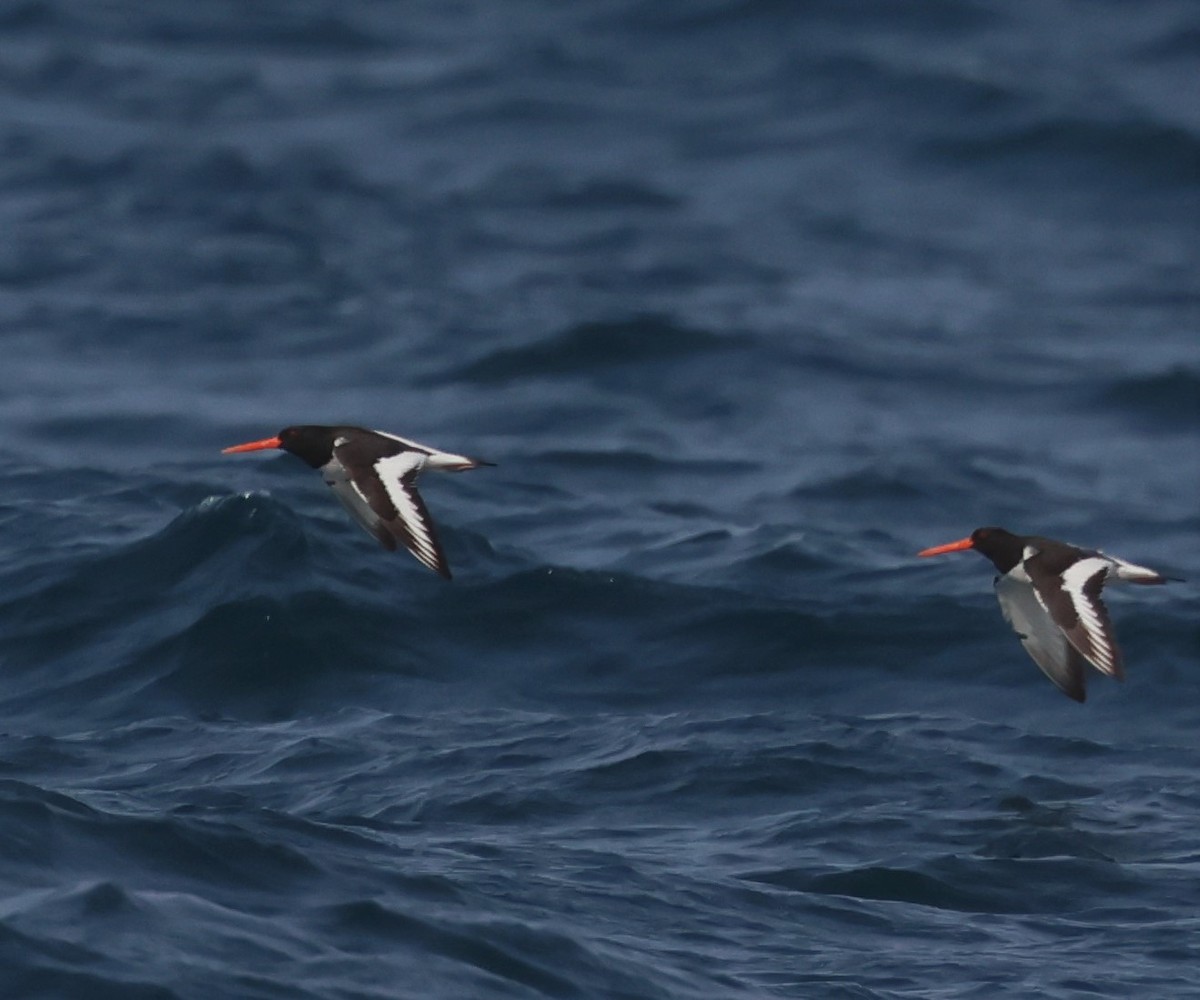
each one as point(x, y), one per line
point(1168, 399)
point(893, 884)
point(587, 347)
point(239, 606)
point(751, 300)
point(1163, 153)
point(721, 16)
point(641, 461)
point(521, 954)
point(307, 26)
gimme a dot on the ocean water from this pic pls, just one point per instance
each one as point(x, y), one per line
point(749, 301)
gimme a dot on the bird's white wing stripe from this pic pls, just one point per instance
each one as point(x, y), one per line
point(1074, 578)
point(391, 472)
point(398, 466)
point(433, 458)
point(357, 489)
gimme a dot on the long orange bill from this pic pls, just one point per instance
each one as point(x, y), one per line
point(254, 446)
point(937, 550)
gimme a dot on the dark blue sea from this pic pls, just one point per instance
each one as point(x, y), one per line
point(748, 301)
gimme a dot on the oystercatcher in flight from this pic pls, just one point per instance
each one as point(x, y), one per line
point(374, 475)
point(1050, 594)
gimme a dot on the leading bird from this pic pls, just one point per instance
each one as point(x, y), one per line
point(1049, 592)
point(374, 475)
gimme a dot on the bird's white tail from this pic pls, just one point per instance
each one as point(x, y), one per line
point(443, 461)
point(1133, 573)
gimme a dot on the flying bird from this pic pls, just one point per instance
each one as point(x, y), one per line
point(1049, 592)
point(374, 475)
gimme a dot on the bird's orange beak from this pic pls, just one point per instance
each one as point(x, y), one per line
point(937, 550)
point(254, 446)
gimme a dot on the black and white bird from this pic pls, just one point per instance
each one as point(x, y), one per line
point(1049, 592)
point(374, 475)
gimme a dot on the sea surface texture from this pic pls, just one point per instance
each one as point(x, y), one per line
point(748, 301)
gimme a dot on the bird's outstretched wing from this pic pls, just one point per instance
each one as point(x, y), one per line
point(1042, 638)
point(381, 495)
point(1071, 596)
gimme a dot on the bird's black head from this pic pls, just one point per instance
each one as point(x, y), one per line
point(311, 442)
point(1002, 547)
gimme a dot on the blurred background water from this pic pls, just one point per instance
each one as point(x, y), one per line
point(749, 301)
